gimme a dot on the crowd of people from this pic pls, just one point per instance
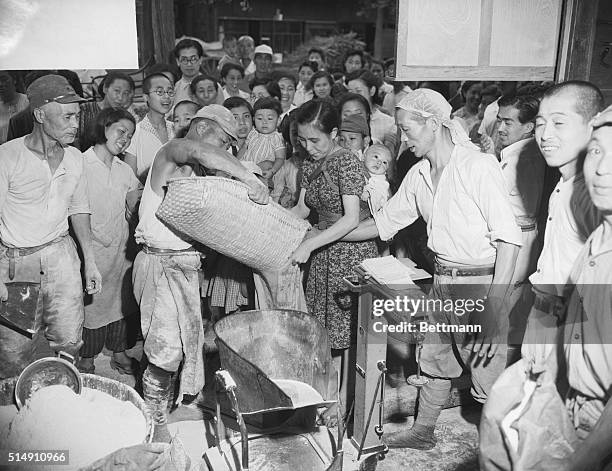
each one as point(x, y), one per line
point(505, 187)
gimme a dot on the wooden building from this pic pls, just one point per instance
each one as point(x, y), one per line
point(301, 20)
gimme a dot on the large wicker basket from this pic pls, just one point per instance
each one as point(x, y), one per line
point(218, 213)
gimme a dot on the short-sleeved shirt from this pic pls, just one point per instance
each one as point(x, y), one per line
point(523, 167)
point(34, 204)
point(107, 188)
point(346, 174)
point(571, 219)
point(145, 144)
point(262, 147)
point(468, 213)
point(588, 327)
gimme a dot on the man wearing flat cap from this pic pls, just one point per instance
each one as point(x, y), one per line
point(165, 275)
point(42, 183)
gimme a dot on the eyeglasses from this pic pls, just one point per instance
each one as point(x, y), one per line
point(162, 92)
point(189, 60)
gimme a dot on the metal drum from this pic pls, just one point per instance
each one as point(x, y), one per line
point(123, 392)
point(47, 372)
point(279, 359)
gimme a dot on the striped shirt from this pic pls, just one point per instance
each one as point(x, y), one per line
point(262, 147)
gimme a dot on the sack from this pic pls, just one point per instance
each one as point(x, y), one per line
point(218, 213)
point(540, 437)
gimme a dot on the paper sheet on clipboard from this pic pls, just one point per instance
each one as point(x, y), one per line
point(391, 272)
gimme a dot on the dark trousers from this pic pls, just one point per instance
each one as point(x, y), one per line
point(113, 336)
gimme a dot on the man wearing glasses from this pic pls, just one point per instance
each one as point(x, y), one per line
point(154, 130)
point(189, 55)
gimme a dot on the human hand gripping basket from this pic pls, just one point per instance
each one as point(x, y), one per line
point(218, 213)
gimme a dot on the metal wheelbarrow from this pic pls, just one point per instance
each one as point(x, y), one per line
point(274, 363)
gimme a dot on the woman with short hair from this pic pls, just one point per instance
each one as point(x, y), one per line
point(118, 92)
point(332, 185)
point(383, 127)
point(113, 191)
point(205, 90)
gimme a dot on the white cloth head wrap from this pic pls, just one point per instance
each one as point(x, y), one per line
point(427, 103)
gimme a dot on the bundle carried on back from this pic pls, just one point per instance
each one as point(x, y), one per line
point(218, 213)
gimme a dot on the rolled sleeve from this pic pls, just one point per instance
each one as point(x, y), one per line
point(400, 211)
point(79, 203)
point(494, 202)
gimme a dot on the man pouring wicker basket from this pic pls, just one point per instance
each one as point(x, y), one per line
point(165, 275)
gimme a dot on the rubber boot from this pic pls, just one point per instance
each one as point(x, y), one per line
point(156, 384)
point(432, 398)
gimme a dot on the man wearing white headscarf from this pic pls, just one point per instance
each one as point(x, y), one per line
point(460, 194)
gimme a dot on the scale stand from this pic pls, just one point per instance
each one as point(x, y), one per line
point(417, 380)
point(370, 362)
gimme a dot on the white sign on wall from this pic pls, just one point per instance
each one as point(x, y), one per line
point(68, 34)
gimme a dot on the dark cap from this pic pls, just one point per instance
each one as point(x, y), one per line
point(355, 123)
point(51, 88)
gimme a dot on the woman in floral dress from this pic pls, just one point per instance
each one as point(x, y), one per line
point(332, 184)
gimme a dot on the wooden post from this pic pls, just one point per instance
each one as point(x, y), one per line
point(577, 39)
point(163, 29)
point(158, 29)
point(378, 34)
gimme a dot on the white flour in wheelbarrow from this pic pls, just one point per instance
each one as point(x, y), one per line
point(90, 425)
point(301, 394)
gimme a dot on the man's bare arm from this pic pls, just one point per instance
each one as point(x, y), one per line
point(505, 262)
point(488, 342)
point(180, 152)
point(81, 223)
point(365, 231)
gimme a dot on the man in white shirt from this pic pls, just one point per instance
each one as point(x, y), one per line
point(165, 274)
point(489, 138)
point(523, 167)
point(262, 59)
point(42, 184)
point(154, 130)
point(189, 56)
point(562, 133)
point(587, 339)
point(584, 337)
point(460, 193)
